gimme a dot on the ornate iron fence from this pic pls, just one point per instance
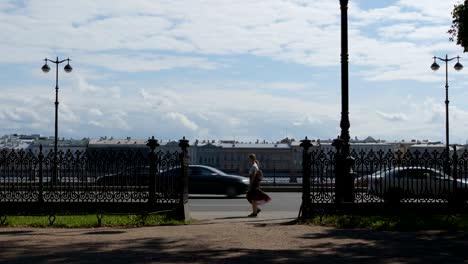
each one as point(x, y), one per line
point(430, 180)
point(124, 181)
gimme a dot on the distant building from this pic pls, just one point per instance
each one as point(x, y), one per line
point(426, 146)
point(64, 145)
point(16, 141)
point(232, 156)
point(105, 143)
point(117, 144)
point(281, 158)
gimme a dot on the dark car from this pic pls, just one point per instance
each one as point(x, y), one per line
point(202, 180)
point(208, 180)
point(136, 176)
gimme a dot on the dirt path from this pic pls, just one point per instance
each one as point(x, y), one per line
point(229, 242)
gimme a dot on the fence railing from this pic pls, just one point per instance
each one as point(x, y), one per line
point(95, 180)
point(428, 179)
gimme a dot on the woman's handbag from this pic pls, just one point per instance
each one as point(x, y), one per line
point(259, 175)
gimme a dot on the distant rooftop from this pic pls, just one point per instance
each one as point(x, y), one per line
point(104, 141)
point(253, 145)
point(61, 143)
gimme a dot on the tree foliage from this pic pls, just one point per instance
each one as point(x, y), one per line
point(459, 28)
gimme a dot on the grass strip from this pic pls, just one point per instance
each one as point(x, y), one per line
point(74, 221)
point(407, 222)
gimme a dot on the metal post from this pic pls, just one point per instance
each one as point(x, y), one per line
point(446, 107)
point(344, 123)
point(152, 144)
point(46, 69)
point(344, 161)
point(40, 198)
point(305, 212)
point(458, 197)
point(339, 169)
point(457, 67)
point(56, 107)
point(55, 174)
point(184, 182)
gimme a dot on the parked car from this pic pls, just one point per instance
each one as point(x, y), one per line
point(202, 180)
point(418, 182)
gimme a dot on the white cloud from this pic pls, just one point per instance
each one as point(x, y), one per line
point(391, 13)
point(289, 86)
point(141, 63)
point(183, 120)
point(393, 117)
point(431, 8)
point(98, 33)
point(114, 43)
point(95, 112)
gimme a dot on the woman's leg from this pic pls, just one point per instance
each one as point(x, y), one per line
point(254, 207)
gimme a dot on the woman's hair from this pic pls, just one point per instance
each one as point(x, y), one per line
point(253, 157)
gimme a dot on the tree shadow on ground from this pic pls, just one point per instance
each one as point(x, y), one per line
point(326, 246)
point(374, 246)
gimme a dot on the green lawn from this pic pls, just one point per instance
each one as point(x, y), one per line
point(91, 221)
point(405, 222)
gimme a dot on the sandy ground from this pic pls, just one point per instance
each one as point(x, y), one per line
point(230, 241)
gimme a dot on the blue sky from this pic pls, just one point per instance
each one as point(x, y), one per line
point(225, 69)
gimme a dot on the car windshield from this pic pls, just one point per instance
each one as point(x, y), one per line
point(382, 172)
point(212, 170)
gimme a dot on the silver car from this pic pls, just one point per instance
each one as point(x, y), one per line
point(416, 182)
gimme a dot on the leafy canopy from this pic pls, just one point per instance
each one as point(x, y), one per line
point(459, 28)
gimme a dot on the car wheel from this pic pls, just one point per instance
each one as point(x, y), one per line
point(231, 191)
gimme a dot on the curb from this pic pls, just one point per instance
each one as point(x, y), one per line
point(268, 188)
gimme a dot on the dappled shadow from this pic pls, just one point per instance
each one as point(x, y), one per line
point(247, 220)
point(105, 232)
point(15, 232)
point(156, 250)
point(326, 245)
point(232, 217)
point(381, 246)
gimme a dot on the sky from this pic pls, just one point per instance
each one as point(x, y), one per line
point(229, 69)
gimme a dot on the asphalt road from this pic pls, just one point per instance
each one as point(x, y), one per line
point(283, 205)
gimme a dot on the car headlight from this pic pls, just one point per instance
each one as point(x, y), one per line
point(245, 180)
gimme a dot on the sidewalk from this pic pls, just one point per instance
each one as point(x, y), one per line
point(244, 241)
point(275, 217)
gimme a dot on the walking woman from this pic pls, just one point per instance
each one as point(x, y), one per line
point(255, 195)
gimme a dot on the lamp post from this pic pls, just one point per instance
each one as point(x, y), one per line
point(458, 67)
point(344, 123)
point(343, 188)
point(46, 69)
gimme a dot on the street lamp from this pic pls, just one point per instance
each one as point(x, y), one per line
point(46, 69)
point(458, 67)
point(343, 181)
point(344, 123)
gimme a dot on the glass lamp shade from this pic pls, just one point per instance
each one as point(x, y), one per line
point(45, 68)
point(435, 66)
point(458, 66)
point(68, 68)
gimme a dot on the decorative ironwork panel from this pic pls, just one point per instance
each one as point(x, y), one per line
point(104, 176)
point(168, 176)
point(322, 176)
point(424, 177)
point(18, 181)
